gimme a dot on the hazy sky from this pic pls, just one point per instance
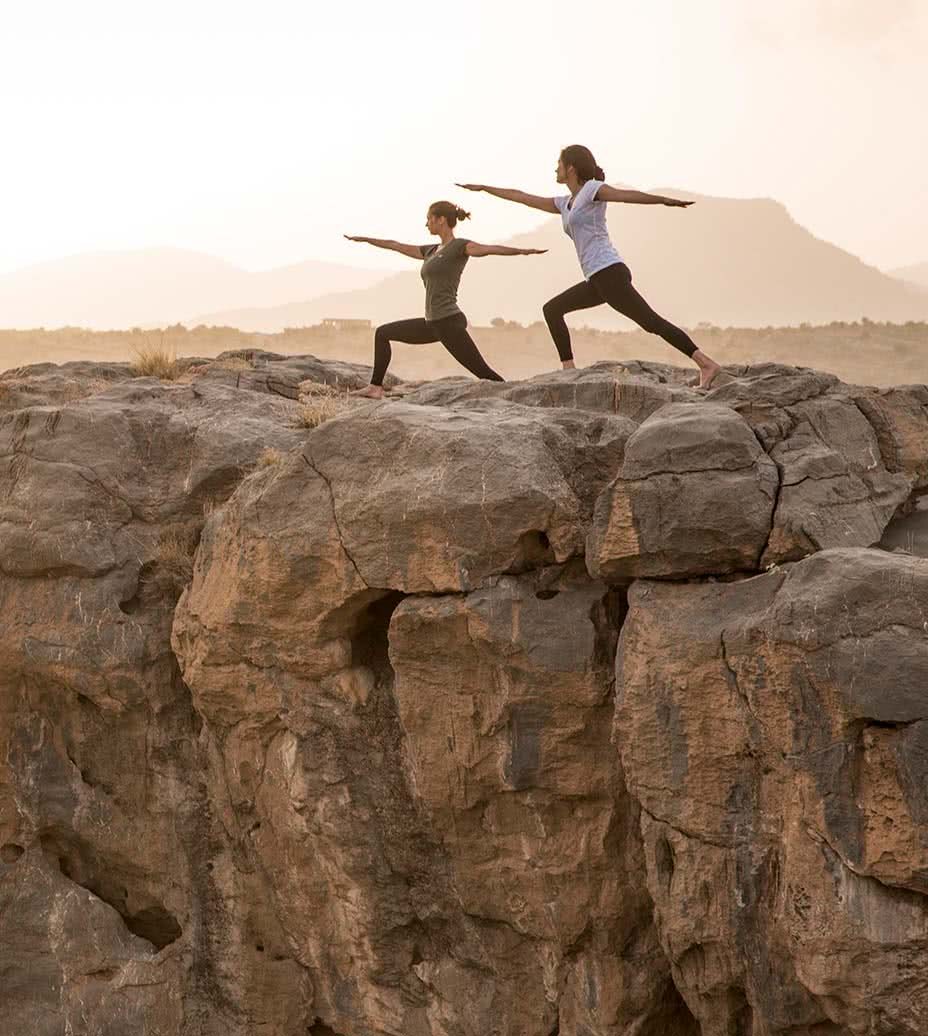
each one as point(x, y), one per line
point(262, 132)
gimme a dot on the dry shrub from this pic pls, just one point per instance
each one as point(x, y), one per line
point(269, 457)
point(175, 555)
point(320, 402)
point(155, 361)
point(312, 414)
point(171, 568)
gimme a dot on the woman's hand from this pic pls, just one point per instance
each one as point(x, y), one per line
point(472, 186)
point(363, 240)
point(676, 203)
point(532, 251)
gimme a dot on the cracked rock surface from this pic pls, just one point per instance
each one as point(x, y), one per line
point(583, 705)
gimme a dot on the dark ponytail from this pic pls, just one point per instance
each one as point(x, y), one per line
point(449, 210)
point(581, 158)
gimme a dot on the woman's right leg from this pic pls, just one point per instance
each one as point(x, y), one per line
point(580, 296)
point(410, 332)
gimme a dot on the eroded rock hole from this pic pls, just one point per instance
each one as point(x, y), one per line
point(11, 852)
point(370, 642)
point(132, 604)
point(154, 924)
point(607, 615)
point(664, 860)
point(151, 922)
point(546, 595)
point(673, 1017)
point(319, 1028)
point(742, 1012)
point(533, 551)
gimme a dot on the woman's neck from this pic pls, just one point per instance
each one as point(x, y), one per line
point(573, 185)
point(445, 236)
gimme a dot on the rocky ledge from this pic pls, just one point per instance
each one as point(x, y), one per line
point(587, 705)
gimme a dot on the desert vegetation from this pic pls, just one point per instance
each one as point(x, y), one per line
point(865, 352)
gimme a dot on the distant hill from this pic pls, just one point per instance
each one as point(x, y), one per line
point(917, 274)
point(726, 261)
point(103, 290)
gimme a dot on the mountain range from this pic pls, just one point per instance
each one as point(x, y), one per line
point(917, 274)
point(724, 261)
point(156, 286)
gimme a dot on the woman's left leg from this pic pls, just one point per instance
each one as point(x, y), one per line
point(455, 337)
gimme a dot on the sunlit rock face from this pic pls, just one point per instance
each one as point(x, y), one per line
point(580, 705)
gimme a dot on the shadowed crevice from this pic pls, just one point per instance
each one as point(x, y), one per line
point(142, 915)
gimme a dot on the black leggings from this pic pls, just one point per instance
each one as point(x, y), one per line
point(450, 331)
point(612, 285)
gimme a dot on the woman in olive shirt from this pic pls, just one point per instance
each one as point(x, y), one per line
point(444, 322)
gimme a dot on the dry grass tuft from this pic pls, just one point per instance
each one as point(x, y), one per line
point(270, 457)
point(310, 389)
point(175, 556)
point(156, 361)
point(320, 402)
point(314, 413)
point(83, 389)
point(233, 363)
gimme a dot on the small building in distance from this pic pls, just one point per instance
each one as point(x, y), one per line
point(343, 324)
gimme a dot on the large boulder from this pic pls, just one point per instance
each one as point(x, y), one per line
point(435, 499)
point(848, 458)
point(775, 732)
point(695, 496)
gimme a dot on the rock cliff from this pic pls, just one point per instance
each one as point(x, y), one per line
point(587, 705)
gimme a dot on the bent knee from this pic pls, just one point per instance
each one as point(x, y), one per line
point(551, 310)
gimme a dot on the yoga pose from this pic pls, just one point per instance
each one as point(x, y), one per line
point(441, 272)
point(608, 279)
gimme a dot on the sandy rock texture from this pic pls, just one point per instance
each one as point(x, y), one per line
point(584, 705)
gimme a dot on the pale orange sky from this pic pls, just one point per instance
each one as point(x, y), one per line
point(261, 133)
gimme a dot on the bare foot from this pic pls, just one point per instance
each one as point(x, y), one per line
point(369, 392)
point(568, 365)
point(708, 369)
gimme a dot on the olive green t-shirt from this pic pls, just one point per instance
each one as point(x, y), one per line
point(441, 274)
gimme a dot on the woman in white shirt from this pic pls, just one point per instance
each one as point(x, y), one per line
point(607, 278)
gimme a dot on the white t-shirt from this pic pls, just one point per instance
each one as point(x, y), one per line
point(585, 224)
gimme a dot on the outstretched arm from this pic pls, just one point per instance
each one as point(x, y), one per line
point(413, 251)
point(607, 193)
point(534, 201)
point(472, 248)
